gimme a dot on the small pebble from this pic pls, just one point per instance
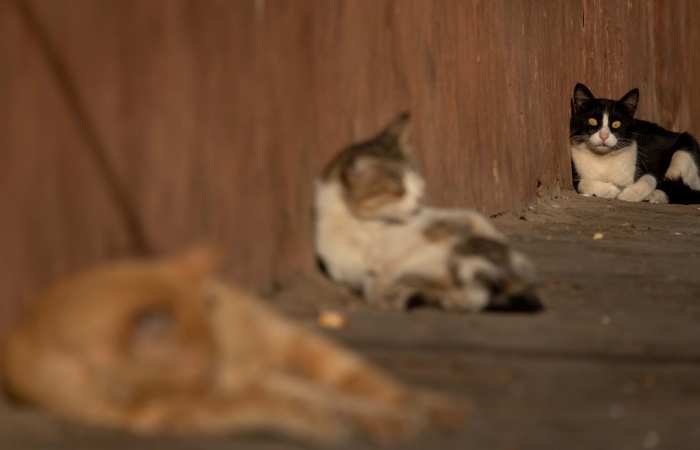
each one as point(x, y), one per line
point(597, 236)
point(332, 320)
point(605, 320)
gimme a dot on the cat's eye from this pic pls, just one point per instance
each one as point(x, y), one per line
point(616, 124)
point(592, 121)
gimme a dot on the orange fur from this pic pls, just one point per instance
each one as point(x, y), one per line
point(164, 346)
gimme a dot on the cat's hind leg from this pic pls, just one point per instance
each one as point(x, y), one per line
point(321, 379)
point(639, 190)
point(258, 404)
point(684, 167)
point(287, 348)
point(594, 188)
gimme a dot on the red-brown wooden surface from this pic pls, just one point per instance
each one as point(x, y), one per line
point(215, 116)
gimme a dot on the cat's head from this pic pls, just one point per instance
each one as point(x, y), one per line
point(603, 125)
point(148, 317)
point(379, 178)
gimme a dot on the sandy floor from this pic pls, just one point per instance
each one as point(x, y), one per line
point(613, 363)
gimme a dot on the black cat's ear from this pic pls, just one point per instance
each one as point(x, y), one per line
point(397, 131)
point(582, 97)
point(630, 100)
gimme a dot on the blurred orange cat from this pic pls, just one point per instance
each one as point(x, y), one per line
point(164, 346)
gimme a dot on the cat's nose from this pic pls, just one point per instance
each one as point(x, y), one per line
point(604, 135)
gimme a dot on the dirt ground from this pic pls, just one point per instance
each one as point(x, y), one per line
point(613, 362)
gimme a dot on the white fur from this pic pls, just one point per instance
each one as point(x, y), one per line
point(604, 175)
point(522, 266)
point(340, 237)
point(683, 167)
point(345, 241)
point(658, 197)
point(639, 190)
point(596, 188)
point(369, 255)
point(616, 167)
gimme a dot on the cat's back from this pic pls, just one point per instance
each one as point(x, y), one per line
point(653, 137)
point(97, 302)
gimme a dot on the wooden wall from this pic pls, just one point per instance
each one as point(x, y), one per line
point(131, 125)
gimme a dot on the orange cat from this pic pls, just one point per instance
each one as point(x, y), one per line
point(164, 346)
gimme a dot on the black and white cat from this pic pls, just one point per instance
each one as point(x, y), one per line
point(616, 156)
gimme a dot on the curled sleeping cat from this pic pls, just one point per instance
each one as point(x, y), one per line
point(617, 156)
point(164, 346)
point(373, 234)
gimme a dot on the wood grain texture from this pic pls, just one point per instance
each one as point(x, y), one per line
point(216, 115)
point(613, 362)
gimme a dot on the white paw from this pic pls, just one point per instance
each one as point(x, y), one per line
point(631, 194)
point(602, 190)
point(657, 197)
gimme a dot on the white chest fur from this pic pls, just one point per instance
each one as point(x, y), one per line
point(351, 247)
point(617, 168)
point(341, 239)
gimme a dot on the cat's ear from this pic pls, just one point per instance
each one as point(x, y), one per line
point(582, 97)
point(630, 100)
point(397, 132)
point(195, 264)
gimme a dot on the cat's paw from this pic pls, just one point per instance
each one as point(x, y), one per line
point(590, 188)
point(639, 191)
point(631, 194)
point(657, 196)
point(471, 298)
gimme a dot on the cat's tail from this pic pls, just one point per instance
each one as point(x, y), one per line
point(679, 193)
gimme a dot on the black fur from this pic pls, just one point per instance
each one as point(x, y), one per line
point(655, 145)
point(321, 265)
point(679, 193)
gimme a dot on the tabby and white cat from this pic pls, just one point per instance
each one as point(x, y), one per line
point(164, 346)
point(373, 234)
point(617, 156)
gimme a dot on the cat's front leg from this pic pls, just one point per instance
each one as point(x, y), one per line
point(658, 196)
point(595, 188)
point(382, 294)
point(639, 190)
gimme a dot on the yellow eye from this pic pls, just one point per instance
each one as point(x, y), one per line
point(592, 121)
point(616, 124)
